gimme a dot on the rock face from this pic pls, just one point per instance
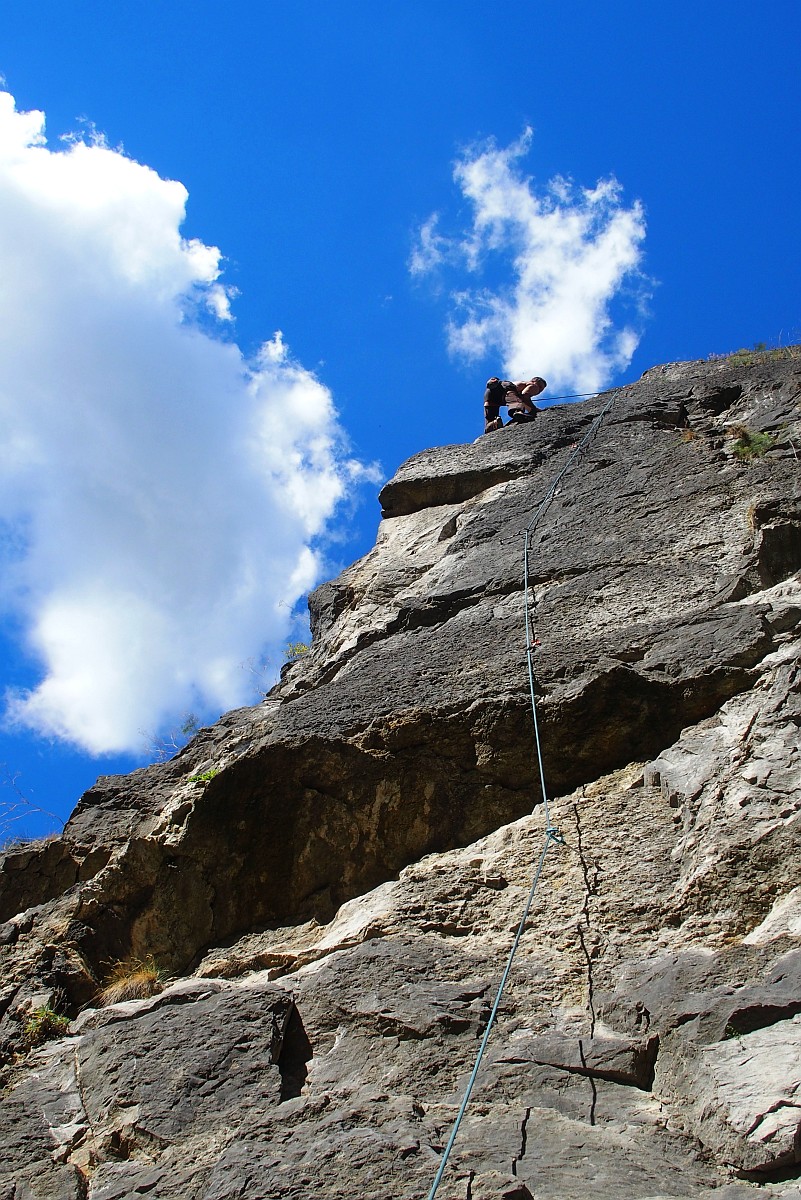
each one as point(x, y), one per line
point(333, 878)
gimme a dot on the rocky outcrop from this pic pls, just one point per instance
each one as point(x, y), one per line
point(334, 877)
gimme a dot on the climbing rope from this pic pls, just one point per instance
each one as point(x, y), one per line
point(551, 835)
point(573, 396)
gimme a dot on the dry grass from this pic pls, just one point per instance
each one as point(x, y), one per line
point(12, 842)
point(760, 354)
point(130, 979)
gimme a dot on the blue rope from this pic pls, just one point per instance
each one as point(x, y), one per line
point(551, 834)
point(572, 396)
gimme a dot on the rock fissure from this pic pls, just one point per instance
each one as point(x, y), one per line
point(521, 1154)
point(589, 874)
point(591, 1078)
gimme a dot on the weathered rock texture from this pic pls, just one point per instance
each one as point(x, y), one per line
point(337, 898)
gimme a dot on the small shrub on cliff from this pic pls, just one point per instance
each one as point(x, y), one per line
point(130, 979)
point(42, 1025)
point(295, 650)
point(749, 444)
point(204, 776)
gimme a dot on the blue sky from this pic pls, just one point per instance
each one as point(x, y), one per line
point(417, 194)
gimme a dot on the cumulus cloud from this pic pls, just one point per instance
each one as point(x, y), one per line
point(161, 497)
point(557, 256)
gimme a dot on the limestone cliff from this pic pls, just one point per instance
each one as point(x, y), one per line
point(332, 879)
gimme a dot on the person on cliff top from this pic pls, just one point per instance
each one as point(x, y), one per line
point(516, 397)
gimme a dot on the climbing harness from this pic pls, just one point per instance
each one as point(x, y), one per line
point(551, 835)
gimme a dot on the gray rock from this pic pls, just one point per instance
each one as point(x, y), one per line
point(339, 898)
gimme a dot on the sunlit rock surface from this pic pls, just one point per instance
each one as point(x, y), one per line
point(335, 901)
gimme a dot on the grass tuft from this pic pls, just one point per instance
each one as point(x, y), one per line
point(44, 1024)
point(130, 979)
point(760, 354)
point(750, 444)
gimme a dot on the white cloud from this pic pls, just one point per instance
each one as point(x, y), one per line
point(431, 247)
point(564, 254)
point(160, 496)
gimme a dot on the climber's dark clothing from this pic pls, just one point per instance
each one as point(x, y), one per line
point(496, 394)
point(516, 397)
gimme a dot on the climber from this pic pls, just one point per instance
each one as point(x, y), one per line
point(516, 396)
